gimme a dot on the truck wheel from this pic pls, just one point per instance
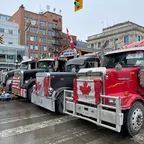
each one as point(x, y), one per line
point(30, 90)
point(59, 103)
point(134, 119)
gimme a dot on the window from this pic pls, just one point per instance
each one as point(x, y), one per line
point(42, 39)
point(1, 30)
point(126, 39)
point(34, 46)
point(42, 23)
point(26, 19)
point(50, 25)
point(91, 64)
point(65, 39)
point(139, 38)
point(42, 31)
point(45, 64)
point(10, 31)
point(126, 59)
point(51, 41)
point(3, 17)
point(43, 48)
point(50, 33)
point(10, 57)
point(27, 37)
point(34, 20)
point(34, 38)
point(51, 48)
point(42, 55)
point(33, 54)
point(99, 44)
point(92, 46)
point(2, 58)
point(33, 29)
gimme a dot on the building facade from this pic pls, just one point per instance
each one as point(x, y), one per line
point(9, 54)
point(41, 33)
point(4, 17)
point(9, 30)
point(117, 36)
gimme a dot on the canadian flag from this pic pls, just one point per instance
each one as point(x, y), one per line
point(71, 39)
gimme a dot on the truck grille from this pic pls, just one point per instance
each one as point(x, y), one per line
point(88, 89)
point(16, 83)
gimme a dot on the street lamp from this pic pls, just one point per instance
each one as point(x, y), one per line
point(32, 22)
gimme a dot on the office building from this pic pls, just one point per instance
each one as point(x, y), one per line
point(117, 36)
point(9, 30)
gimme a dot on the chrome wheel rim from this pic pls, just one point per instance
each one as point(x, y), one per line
point(137, 119)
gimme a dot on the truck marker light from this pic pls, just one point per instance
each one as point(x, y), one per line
point(132, 73)
point(126, 93)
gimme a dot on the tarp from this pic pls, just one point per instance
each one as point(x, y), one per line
point(135, 44)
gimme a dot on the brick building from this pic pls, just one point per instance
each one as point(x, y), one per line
point(41, 33)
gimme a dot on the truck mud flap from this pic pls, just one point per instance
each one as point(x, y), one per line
point(45, 102)
point(110, 117)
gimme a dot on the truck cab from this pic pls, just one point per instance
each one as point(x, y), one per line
point(49, 88)
point(24, 79)
point(6, 76)
point(111, 96)
point(86, 61)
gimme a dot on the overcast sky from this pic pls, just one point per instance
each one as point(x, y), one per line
point(87, 21)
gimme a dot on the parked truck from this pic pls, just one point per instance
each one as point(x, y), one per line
point(49, 88)
point(6, 76)
point(24, 80)
point(111, 96)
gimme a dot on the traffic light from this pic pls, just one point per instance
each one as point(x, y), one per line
point(1, 39)
point(78, 5)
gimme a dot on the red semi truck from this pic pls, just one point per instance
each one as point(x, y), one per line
point(111, 96)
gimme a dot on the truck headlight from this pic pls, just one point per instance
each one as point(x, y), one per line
point(112, 101)
point(50, 91)
point(26, 81)
point(8, 82)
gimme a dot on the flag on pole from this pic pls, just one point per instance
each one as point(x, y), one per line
point(70, 38)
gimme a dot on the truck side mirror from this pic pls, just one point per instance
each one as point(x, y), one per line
point(118, 67)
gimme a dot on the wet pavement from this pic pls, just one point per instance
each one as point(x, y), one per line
point(24, 123)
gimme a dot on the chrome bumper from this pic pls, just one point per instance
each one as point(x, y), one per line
point(95, 114)
point(45, 102)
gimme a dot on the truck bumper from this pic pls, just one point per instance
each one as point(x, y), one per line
point(45, 102)
point(20, 92)
point(103, 115)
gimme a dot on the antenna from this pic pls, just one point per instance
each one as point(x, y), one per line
point(60, 11)
point(40, 8)
point(48, 7)
point(54, 9)
point(41, 11)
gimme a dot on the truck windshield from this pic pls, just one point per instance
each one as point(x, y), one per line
point(24, 66)
point(126, 59)
point(46, 64)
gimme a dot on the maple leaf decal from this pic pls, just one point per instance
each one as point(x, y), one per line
point(85, 88)
point(38, 86)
